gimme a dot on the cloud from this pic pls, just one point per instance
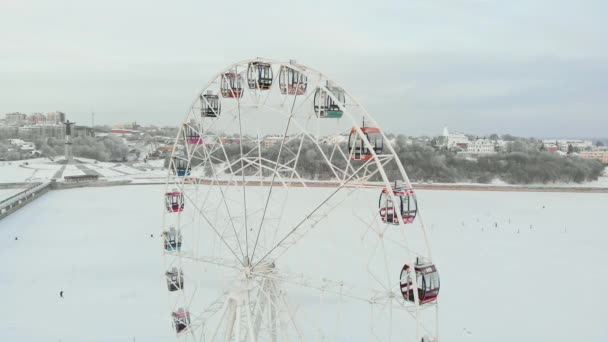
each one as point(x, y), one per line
point(479, 66)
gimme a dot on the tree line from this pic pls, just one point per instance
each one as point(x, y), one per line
point(522, 162)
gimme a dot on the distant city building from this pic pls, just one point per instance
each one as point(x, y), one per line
point(36, 118)
point(38, 126)
point(484, 146)
point(602, 156)
point(577, 145)
point(33, 132)
point(15, 119)
point(57, 118)
point(129, 125)
point(271, 140)
point(452, 140)
point(336, 139)
point(124, 132)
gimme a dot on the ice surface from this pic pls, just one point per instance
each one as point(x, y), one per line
point(513, 266)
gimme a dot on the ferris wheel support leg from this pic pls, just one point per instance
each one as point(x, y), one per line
point(252, 336)
point(231, 310)
point(273, 316)
point(261, 307)
point(238, 310)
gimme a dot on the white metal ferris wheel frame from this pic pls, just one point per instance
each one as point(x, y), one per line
point(376, 158)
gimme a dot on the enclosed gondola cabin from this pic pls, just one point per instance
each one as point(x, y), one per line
point(211, 107)
point(327, 106)
point(357, 148)
point(406, 206)
point(172, 240)
point(259, 75)
point(191, 135)
point(427, 279)
point(292, 82)
point(232, 85)
point(174, 201)
point(181, 320)
point(175, 279)
point(181, 168)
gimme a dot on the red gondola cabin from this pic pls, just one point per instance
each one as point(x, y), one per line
point(181, 320)
point(232, 85)
point(427, 279)
point(259, 75)
point(356, 147)
point(191, 135)
point(174, 201)
point(406, 206)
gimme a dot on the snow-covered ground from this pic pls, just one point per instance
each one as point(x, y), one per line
point(513, 266)
point(43, 169)
point(6, 193)
point(12, 172)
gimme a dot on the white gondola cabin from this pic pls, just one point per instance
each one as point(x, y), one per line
point(259, 75)
point(175, 279)
point(406, 205)
point(211, 107)
point(174, 201)
point(292, 82)
point(172, 240)
point(427, 279)
point(232, 85)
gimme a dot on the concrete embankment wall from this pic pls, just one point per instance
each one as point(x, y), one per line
point(68, 185)
point(18, 201)
point(16, 185)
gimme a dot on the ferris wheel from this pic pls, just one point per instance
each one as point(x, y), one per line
point(289, 217)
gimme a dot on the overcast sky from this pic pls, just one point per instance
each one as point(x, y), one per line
point(531, 68)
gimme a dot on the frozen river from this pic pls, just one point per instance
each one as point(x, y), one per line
point(513, 266)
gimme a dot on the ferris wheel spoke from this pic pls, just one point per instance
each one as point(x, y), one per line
point(308, 216)
point(314, 140)
point(337, 288)
point(216, 261)
point(284, 137)
point(213, 228)
point(227, 208)
point(247, 260)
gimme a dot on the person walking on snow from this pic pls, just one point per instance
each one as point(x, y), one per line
point(61, 293)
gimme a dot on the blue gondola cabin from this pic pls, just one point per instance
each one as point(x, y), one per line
point(259, 75)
